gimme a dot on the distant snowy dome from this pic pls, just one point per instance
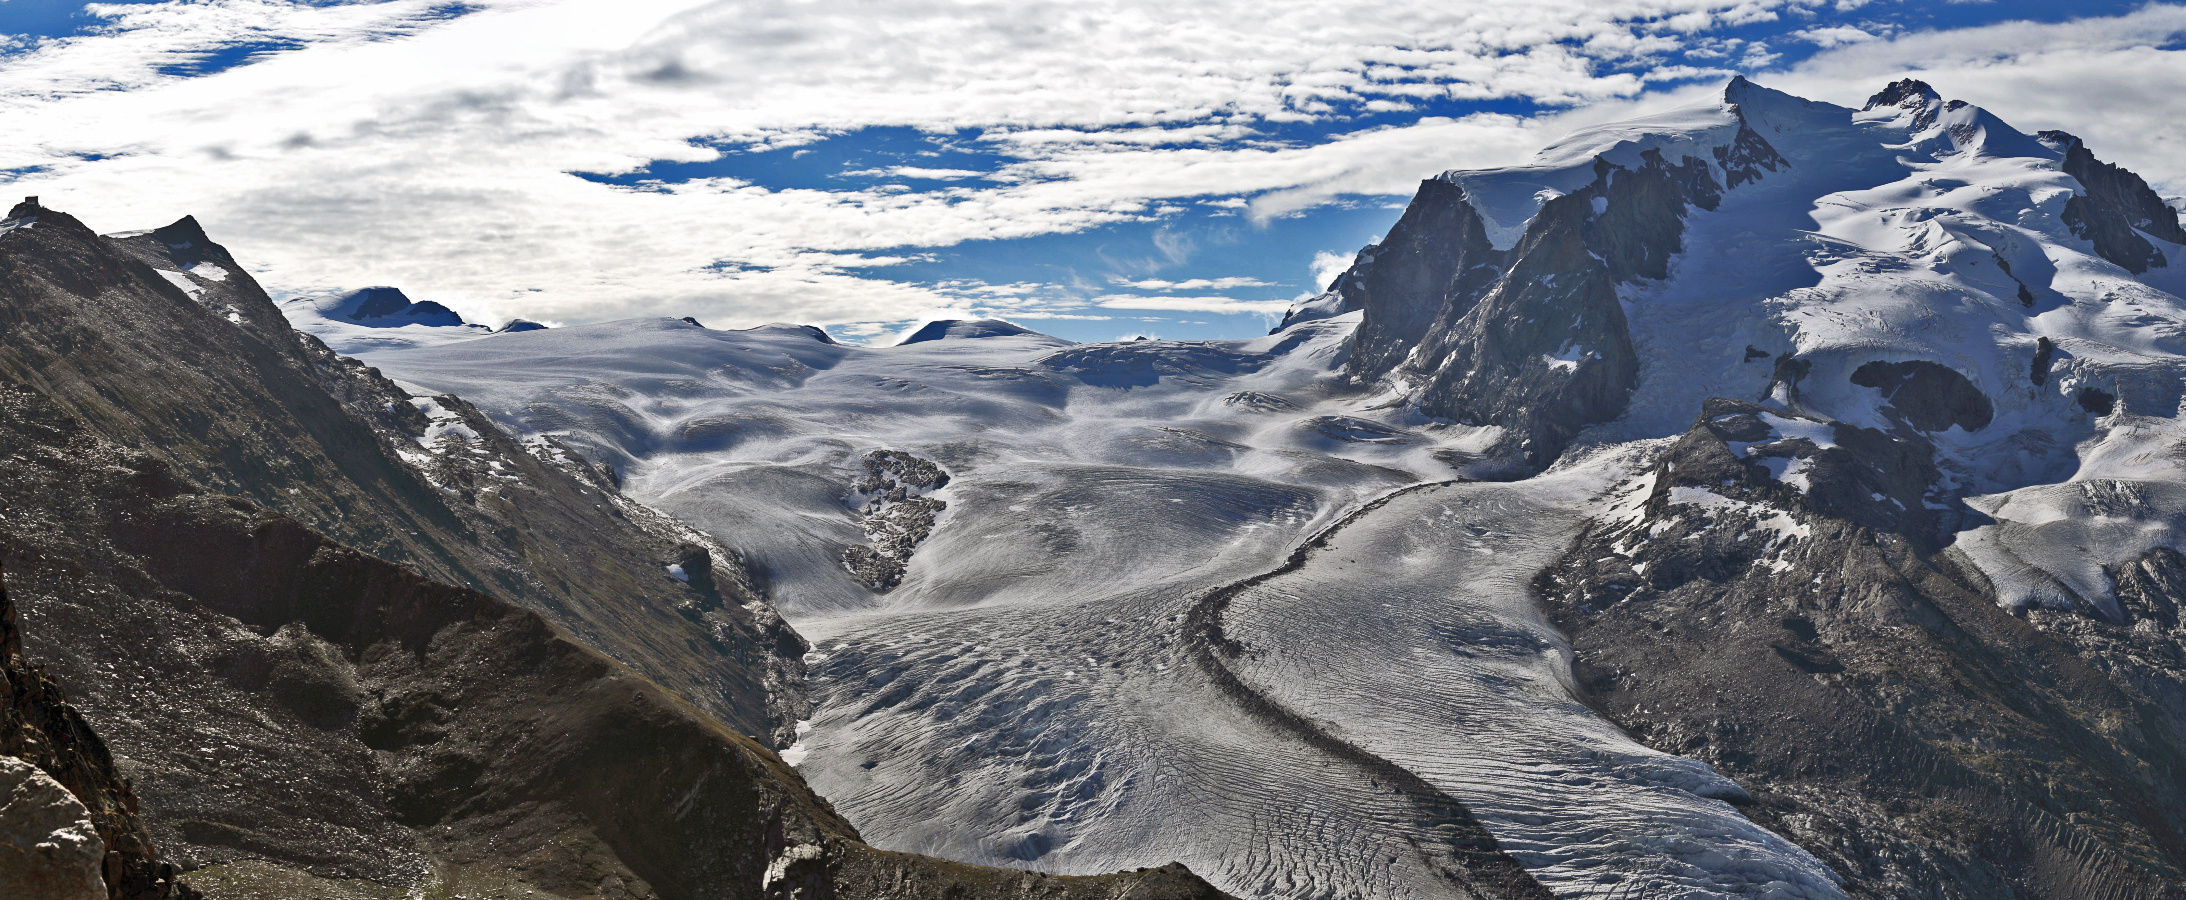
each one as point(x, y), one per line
point(945, 329)
point(387, 307)
point(381, 317)
point(516, 325)
point(810, 331)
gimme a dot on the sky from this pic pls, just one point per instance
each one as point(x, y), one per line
point(1093, 169)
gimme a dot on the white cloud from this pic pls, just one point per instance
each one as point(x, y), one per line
point(1194, 284)
point(1834, 36)
point(398, 147)
point(1326, 266)
point(1193, 304)
point(917, 172)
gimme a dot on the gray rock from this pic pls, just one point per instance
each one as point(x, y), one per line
point(48, 847)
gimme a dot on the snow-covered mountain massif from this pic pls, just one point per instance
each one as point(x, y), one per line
point(1765, 499)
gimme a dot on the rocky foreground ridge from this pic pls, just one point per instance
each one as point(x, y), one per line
point(347, 642)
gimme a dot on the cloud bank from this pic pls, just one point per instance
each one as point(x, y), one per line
point(506, 158)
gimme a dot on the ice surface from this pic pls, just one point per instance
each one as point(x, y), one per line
point(1025, 697)
point(1414, 635)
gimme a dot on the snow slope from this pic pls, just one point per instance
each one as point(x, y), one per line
point(1917, 231)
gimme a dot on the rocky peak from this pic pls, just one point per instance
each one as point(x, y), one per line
point(1736, 89)
point(1435, 262)
point(378, 302)
point(184, 232)
point(1909, 93)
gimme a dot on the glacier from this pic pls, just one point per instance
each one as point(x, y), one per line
point(1220, 602)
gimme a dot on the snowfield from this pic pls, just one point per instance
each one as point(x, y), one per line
point(1030, 693)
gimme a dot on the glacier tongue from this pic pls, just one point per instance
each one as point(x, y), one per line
point(1414, 634)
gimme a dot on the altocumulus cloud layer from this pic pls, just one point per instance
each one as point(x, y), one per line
point(1104, 166)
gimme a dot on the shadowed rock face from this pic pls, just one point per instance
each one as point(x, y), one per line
point(1435, 261)
point(1547, 350)
point(1747, 157)
point(1785, 613)
point(2116, 209)
point(224, 394)
point(1927, 396)
point(1909, 93)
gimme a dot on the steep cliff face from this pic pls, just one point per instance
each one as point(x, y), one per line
point(164, 343)
point(1532, 339)
point(1770, 598)
point(1547, 351)
point(1434, 260)
point(2116, 210)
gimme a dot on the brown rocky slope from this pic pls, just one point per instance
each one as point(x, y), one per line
point(505, 697)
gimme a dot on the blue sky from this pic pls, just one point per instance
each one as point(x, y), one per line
point(1090, 169)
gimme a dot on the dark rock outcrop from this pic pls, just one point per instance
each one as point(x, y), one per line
point(1927, 396)
point(2096, 400)
point(1435, 263)
point(1909, 93)
point(896, 514)
point(1786, 613)
point(1747, 157)
point(2118, 212)
point(1547, 350)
